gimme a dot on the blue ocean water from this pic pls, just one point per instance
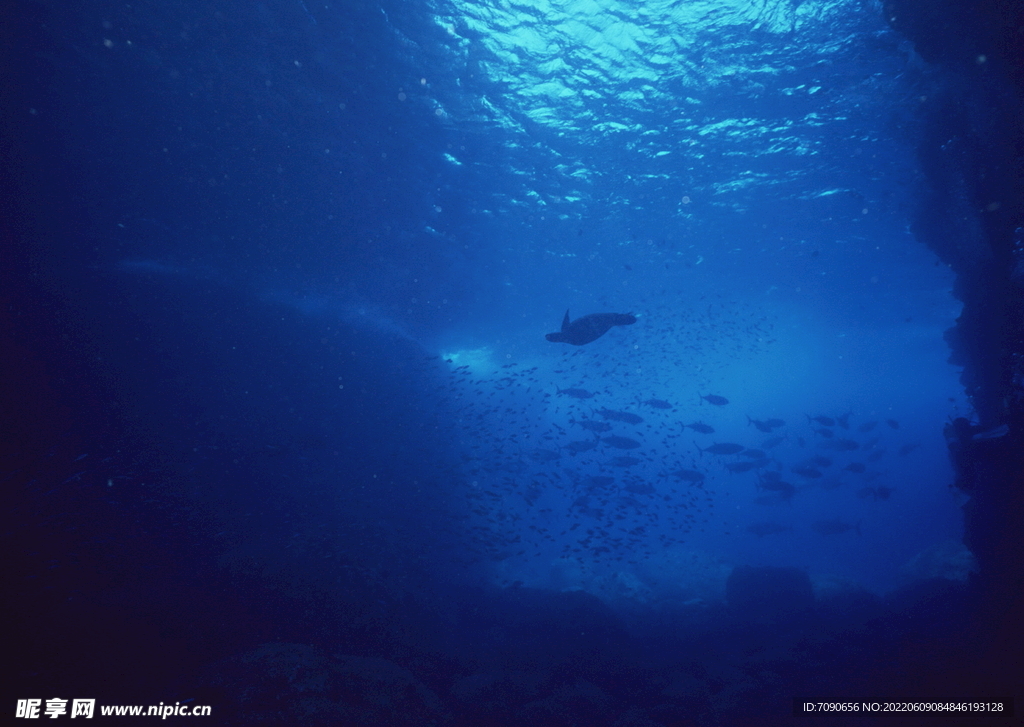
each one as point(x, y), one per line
point(285, 435)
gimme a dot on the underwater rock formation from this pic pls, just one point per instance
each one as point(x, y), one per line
point(949, 559)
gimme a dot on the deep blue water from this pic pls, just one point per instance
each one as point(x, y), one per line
point(284, 434)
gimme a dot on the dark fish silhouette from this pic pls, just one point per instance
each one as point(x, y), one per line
point(714, 399)
point(701, 427)
point(619, 416)
point(882, 492)
point(657, 404)
point(688, 475)
point(623, 461)
point(621, 442)
point(574, 393)
point(722, 449)
point(761, 426)
point(641, 488)
point(806, 471)
point(544, 455)
point(589, 328)
point(623, 502)
point(780, 486)
point(581, 446)
point(592, 425)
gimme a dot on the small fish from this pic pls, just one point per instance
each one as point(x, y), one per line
point(544, 455)
point(867, 427)
point(714, 399)
point(778, 486)
point(620, 416)
point(855, 467)
point(623, 461)
point(701, 427)
point(592, 425)
point(722, 449)
point(641, 488)
point(844, 420)
point(882, 492)
point(753, 453)
point(893, 423)
point(621, 442)
point(806, 471)
point(823, 421)
point(658, 404)
point(820, 461)
point(907, 449)
point(688, 475)
point(581, 446)
point(597, 483)
point(574, 393)
point(827, 433)
point(741, 466)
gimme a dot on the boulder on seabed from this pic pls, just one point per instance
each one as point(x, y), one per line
point(949, 559)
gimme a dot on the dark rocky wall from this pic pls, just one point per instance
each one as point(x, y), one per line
point(973, 156)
